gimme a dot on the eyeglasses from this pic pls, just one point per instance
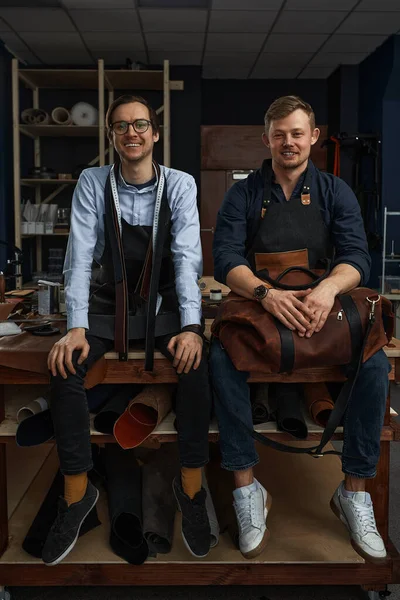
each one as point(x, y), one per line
point(139, 125)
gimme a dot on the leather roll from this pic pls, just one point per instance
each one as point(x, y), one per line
point(124, 490)
point(288, 409)
point(318, 401)
point(158, 500)
point(259, 403)
point(221, 485)
point(114, 407)
point(143, 415)
point(212, 515)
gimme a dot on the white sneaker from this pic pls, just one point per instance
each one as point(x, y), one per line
point(357, 513)
point(251, 504)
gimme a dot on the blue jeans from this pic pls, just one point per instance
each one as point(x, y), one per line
point(362, 422)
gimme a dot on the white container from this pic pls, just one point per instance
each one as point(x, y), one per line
point(24, 227)
point(39, 229)
point(31, 227)
point(48, 227)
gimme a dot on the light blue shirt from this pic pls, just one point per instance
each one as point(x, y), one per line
point(86, 238)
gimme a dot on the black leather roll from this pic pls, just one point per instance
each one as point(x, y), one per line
point(114, 407)
point(287, 401)
point(159, 504)
point(124, 490)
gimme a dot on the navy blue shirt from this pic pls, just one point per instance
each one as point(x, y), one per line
point(239, 219)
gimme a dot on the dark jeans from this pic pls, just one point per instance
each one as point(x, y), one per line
point(70, 412)
point(362, 423)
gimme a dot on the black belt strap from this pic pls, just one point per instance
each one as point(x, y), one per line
point(163, 220)
point(287, 347)
point(343, 399)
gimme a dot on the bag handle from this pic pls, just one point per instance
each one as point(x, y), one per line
point(276, 283)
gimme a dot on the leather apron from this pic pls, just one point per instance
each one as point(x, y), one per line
point(293, 225)
point(136, 241)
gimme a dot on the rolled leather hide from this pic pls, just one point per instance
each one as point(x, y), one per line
point(114, 407)
point(212, 515)
point(318, 401)
point(143, 415)
point(287, 402)
point(158, 500)
point(124, 490)
point(259, 403)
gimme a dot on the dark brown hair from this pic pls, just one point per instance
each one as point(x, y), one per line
point(129, 99)
point(284, 106)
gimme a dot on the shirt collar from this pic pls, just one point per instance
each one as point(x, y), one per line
point(123, 183)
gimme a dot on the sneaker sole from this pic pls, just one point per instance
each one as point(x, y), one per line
point(357, 548)
point(183, 535)
point(261, 546)
point(70, 547)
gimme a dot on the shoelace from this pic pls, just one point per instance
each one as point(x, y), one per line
point(367, 518)
point(246, 514)
point(199, 514)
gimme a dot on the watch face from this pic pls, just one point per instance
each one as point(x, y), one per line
point(260, 292)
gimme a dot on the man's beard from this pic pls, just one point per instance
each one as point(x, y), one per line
point(292, 166)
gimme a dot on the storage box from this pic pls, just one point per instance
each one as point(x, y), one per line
point(392, 284)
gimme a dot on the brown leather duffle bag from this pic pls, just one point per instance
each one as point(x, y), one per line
point(256, 341)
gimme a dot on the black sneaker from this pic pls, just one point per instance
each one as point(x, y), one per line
point(196, 530)
point(65, 530)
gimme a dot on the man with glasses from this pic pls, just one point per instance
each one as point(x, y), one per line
point(131, 270)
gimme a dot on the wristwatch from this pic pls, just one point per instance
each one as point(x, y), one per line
point(260, 292)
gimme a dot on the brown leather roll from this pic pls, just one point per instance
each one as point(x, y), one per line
point(143, 415)
point(318, 402)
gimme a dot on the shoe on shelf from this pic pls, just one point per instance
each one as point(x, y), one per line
point(64, 532)
point(251, 508)
point(196, 532)
point(357, 514)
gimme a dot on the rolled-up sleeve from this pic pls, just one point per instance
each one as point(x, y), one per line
point(79, 256)
point(229, 246)
point(186, 253)
point(348, 233)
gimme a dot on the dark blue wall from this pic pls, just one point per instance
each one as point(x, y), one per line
point(244, 102)
point(6, 162)
point(379, 111)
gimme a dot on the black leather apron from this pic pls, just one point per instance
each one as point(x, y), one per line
point(292, 225)
point(136, 245)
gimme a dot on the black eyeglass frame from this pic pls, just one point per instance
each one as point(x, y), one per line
point(111, 126)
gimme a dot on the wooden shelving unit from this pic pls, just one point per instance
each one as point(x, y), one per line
point(308, 544)
point(104, 81)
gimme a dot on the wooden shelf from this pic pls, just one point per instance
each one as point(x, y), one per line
point(134, 80)
point(303, 528)
point(34, 181)
point(59, 131)
point(31, 235)
point(60, 78)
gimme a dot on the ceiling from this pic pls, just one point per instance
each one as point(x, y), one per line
point(241, 39)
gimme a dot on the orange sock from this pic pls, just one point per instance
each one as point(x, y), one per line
point(75, 487)
point(191, 481)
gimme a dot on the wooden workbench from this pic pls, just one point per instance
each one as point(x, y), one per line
point(308, 544)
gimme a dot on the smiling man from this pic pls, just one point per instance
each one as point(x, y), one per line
point(287, 205)
point(131, 270)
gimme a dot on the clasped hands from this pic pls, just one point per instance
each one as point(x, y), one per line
point(303, 311)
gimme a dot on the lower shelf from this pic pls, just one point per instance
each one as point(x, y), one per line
point(308, 545)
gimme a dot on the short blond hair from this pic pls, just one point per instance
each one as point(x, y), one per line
point(284, 106)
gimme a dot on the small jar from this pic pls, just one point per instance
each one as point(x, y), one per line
point(216, 295)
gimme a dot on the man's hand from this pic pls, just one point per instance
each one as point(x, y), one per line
point(186, 348)
point(60, 356)
point(320, 303)
point(289, 309)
